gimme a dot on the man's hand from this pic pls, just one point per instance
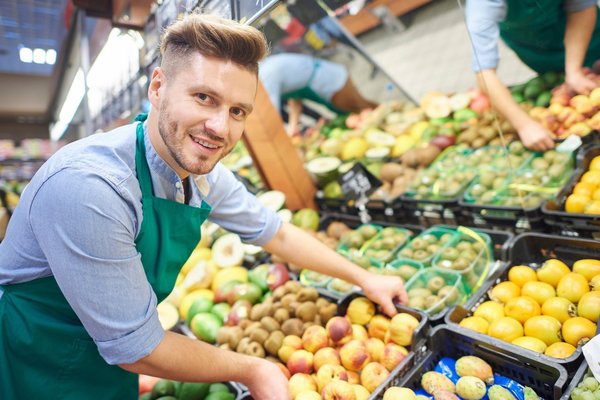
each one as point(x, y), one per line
point(536, 137)
point(267, 382)
point(580, 83)
point(383, 290)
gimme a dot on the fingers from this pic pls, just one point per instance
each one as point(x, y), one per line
point(403, 296)
point(388, 307)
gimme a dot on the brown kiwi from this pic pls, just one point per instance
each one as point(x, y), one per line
point(281, 315)
point(244, 323)
point(254, 325)
point(292, 286)
point(270, 324)
point(258, 311)
point(259, 335)
point(235, 335)
point(327, 312)
point(288, 299)
point(307, 294)
point(322, 302)
point(307, 311)
point(292, 326)
point(255, 349)
point(273, 342)
point(241, 347)
point(223, 335)
point(279, 293)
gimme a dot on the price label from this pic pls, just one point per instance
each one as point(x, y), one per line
point(358, 182)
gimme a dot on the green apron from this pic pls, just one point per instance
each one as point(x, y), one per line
point(45, 352)
point(535, 31)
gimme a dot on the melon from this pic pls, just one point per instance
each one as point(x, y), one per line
point(324, 169)
point(228, 251)
point(273, 199)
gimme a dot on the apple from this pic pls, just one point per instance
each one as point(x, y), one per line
point(373, 375)
point(239, 310)
point(392, 356)
point(300, 361)
point(378, 326)
point(339, 329)
point(315, 338)
point(361, 392)
point(401, 329)
point(354, 355)
point(327, 355)
point(375, 348)
point(330, 372)
point(277, 276)
point(301, 383)
point(289, 344)
point(359, 332)
point(338, 390)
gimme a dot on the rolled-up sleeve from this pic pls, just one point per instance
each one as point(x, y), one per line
point(95, 263)
point(482, 18)
point(237, 210)
point(578, 5)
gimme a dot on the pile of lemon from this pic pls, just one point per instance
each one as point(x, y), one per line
point(550, 310)
point(586, 193)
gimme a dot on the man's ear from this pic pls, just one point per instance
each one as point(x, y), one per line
point(156, 83)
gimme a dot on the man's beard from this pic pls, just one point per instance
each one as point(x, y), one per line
point(200, 164)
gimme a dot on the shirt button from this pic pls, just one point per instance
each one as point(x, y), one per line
point(178, 185)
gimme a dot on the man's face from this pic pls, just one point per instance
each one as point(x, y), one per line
point(202, 111)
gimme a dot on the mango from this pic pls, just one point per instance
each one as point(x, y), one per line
point(499, 393)
point(434, 382)
point(470, 388)
point(475, 366)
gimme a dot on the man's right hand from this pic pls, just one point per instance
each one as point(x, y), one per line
point(536, 137)
point(267, 382)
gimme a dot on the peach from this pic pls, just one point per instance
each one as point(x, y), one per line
point(353, 377)
point(378, 326)
point(327, 355)
point(339, 328)
point(314, 338)
point(392, 356)
point(330, 372)
point(375, 348)
point(301, 361)
point(361, 392)
point(290, 344)
point(401, 329)
point(373, 375)
point(398, 393)
point(284, 369)
point(354, 355)
point(359, 332)
point(310, 395)
point(299, 383)
point(338, 390)
point(360, 310)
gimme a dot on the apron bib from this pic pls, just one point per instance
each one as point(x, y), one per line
point(535, 31)
point(45, 352)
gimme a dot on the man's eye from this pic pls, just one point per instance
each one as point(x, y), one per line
point(202, 96)
point(238, 112)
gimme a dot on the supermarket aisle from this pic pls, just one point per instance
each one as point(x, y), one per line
point(434, 53)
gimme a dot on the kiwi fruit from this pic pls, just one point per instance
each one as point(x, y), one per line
point(281, 315)
point(279, 292)
point(259, 335)
point(223, 335)
point(416, 302)
point(292, 286)
point(235, 335)
point(292, 326)
point(419, 292)
point(435, 284)
point(322, 302)
point(259, 311)
point(243, 324)
point(254, 325)
point(288, 299)
point(449, 294)
point(255, 349)
point(307, 311)
point(327, 312)
point(243, 344)
point(270, 324)
point(307, 294)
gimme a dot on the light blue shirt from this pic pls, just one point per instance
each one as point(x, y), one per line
point(483, 17)
point(78, 220)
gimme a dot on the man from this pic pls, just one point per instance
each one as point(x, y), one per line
point(104, 226)
point(294, 76)
point(547, 35)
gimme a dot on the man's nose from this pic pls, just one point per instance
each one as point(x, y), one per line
point(218, 122)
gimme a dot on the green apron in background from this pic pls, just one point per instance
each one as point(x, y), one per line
point(535, 30)
point(46, 353)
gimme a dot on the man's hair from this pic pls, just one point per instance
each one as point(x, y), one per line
point(212, 36)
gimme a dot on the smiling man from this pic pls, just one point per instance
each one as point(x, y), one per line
point(105, 225)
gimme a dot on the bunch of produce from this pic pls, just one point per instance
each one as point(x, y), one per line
point(469, 378)
point(151, 388)
point(587, 389)
point(433, 290)
point(570, 113)
point(550, 310)
point(538, 90)
point(585, 197)
point(350, 356)
point(373, 241)
point(425, 246)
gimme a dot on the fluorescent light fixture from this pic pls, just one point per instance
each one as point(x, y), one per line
point(39, 56)
point(69, 107)
point(25, 54)
point(50, 56)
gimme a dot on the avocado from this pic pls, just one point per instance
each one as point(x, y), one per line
point(163, 388)
point(193, 391)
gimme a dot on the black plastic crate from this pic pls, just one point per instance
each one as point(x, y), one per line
point(447, 341)
point(573, 224)
point(331, 205)
point(387, 211)
point(433, 212)
point(531, 249)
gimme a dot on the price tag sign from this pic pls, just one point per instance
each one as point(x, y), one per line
point(358, 182)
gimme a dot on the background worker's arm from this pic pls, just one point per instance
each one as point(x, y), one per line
point(188, 360)
point(532, 134)
point(580, 26)
point(297, 247)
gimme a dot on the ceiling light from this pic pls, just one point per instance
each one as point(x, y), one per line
point(50, 56)
point(39, 56)
point(25, 54)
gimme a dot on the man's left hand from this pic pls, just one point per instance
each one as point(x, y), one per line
point(580, 83)
point(383, 290)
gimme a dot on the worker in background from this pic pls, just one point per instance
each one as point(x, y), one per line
point(105, 225)
point(292, 77)
point(547, 35)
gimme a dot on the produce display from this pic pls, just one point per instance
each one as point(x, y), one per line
point(585, 197)
point(432, 290)
point(468, 378)
point(151, 388)
point(538, 90)
point(587, 389)
point(549, 310)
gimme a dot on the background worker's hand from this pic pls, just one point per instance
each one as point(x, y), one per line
point(383, 290)
point(267, 382)
point(580, 83)
point(536, 137)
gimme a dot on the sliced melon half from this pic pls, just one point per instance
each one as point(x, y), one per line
point(273, 199)
point(228, 251)
point(324, 169)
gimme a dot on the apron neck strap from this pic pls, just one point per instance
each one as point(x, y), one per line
point(143, 171)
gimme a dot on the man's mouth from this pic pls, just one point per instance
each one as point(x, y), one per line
point(205, 143)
